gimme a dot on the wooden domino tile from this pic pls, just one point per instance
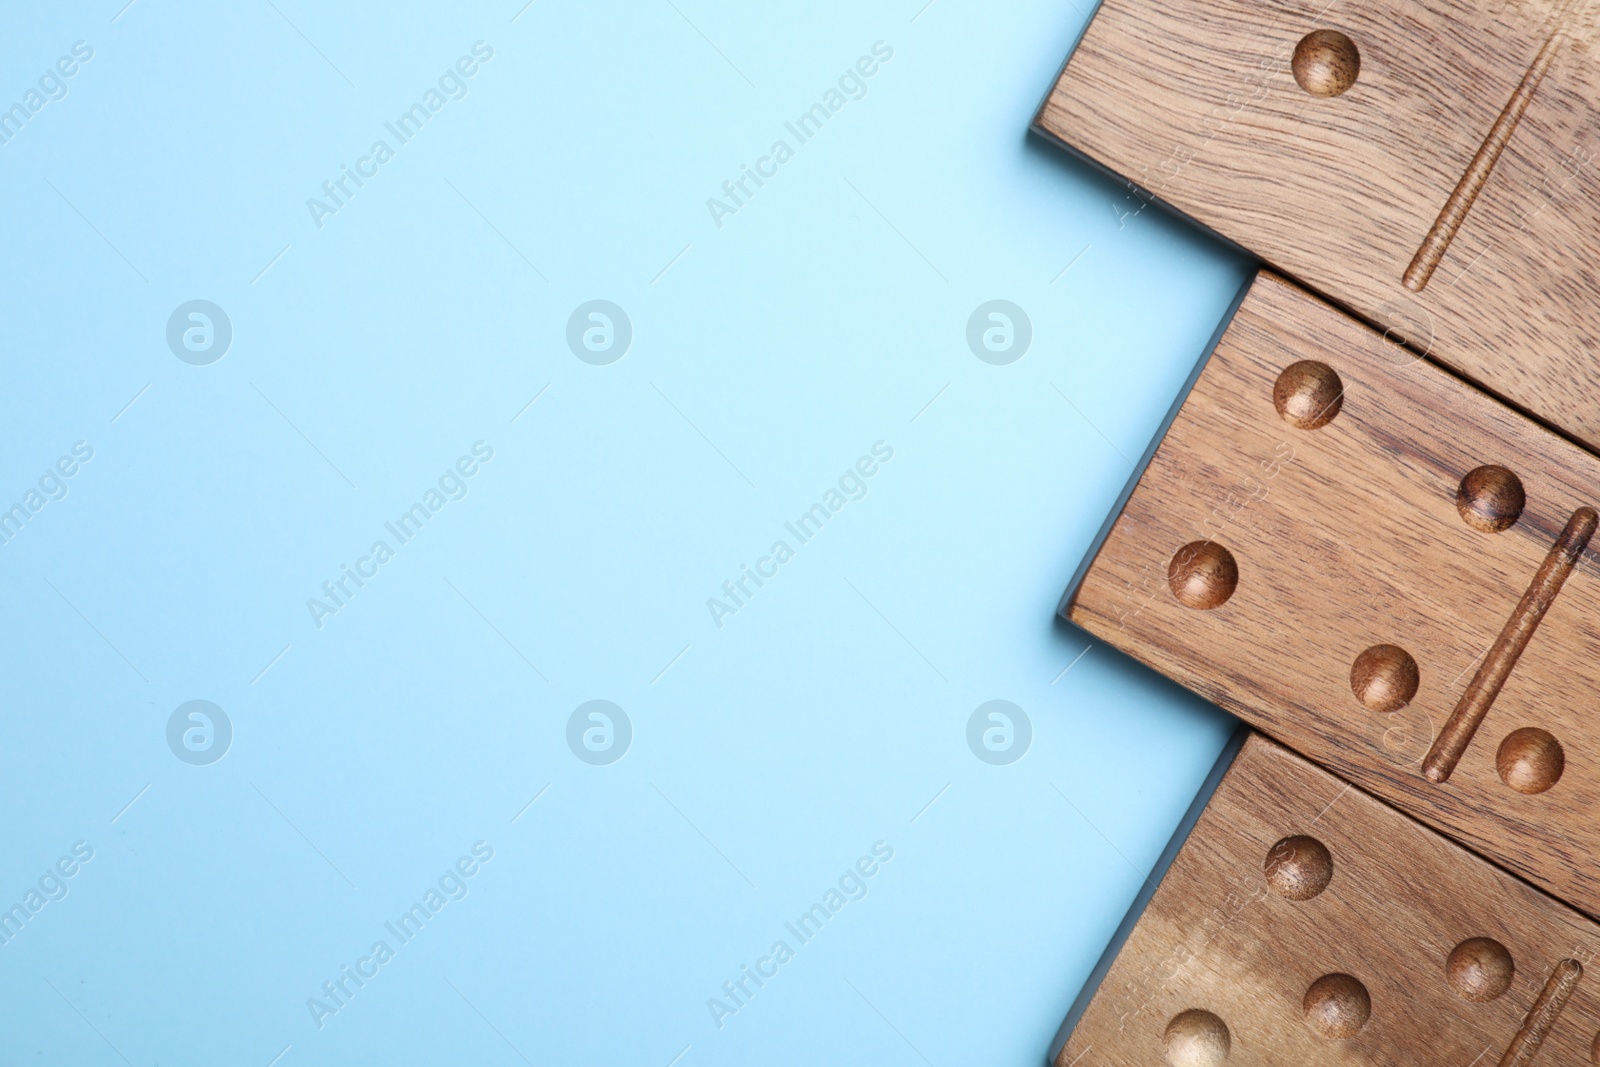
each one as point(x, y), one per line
point(1431, 164)
point(1382, 568)
point(1304, 922)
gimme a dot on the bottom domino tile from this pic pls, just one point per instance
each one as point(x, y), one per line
point(1300, 921)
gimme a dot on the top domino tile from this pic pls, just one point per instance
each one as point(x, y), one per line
point(1430, 164)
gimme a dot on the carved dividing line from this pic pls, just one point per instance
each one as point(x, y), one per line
point(1455, 209)
point(1514, 636)
point(1541, 1018)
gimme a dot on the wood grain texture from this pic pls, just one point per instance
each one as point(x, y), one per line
point(1448, 192)
point(1419, 951)
point(1365, 608)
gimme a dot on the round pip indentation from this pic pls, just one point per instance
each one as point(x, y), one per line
point(1337, 1006)
point(1530, 760)
point(1479, 969)
point(1196, 1038)
point(1308, 394)
point(1203, 575)
point(1491, 498)
point(1298, 867)
point(1384, 678)
point(1325, 63)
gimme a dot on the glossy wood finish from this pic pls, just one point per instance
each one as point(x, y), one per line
point(1362, 609)
point(1415, 952)
point(1427, 163)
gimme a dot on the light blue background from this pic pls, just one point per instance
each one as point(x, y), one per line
point(830, 713)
